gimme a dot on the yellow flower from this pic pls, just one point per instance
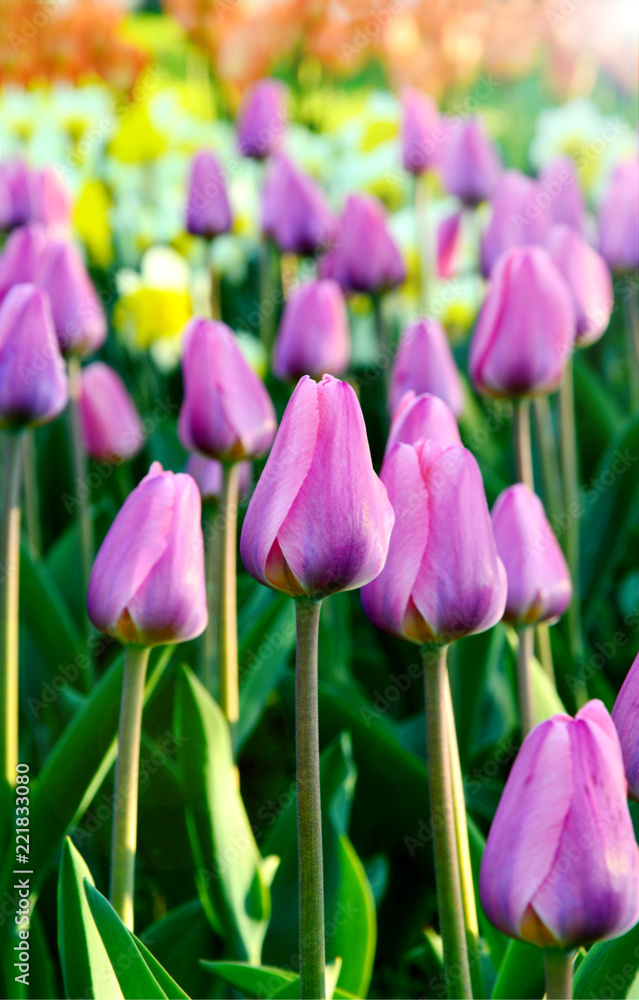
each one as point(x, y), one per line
point(378, 132)
point(137, 139)
point(91, 221)
point(149, 314)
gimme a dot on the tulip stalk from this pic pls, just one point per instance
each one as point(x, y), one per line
point(31, 495)
point(449, 896)
point(523, 448)
point(125, 812)
point(210, 645)
point(558, 970)
point(79, 463)
point(9, 597)
point(525, 637)
point(632, 335)
point(309, 816)
point(227, 635)
point(420, 208)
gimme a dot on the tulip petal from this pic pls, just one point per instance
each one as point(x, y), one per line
point(625, 715)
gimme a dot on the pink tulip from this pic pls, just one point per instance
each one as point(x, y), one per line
point(147, 585)
point(520, 217)
point(33, 380)
point(539, 585)
point(227, 413)
point(313, 337)
point(619, 219)
point(111, 424)
point(295, 213)
point(421, 133)
point(14, 178)
point(560, 183)
point(262, 119)
point(443, 578)
point(207, 473)
point(365, 258)
point(470, 161)
point(21, 256)
point(208, 212)
point(526, 327)
point(625, 716)
point(78, 315)
point(423, 417)
point(319, 520)
point(561, 864)
point(449, 235)
point(50, 201)
point(424, 362)
point(588, 278)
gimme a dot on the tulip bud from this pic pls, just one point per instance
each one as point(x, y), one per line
point(560, 183)
point(313, 337)
point(588, 278)
point(295, 213)
point(626, 719)
point(365, 258)
point(33, 382)
point(449, 236)
point(518, 218)
point(421, 131)
point(526, 327)
point(619, 219)
point(147, 584)
point(561, 864)
point(78, 315)
point(208, 212)
point(539, 586)
point(207, 473)
point(470, 162)
point(50, 202)
point(111, 425)
point(262, 119)
point(424, 362)
point(227, 413)
point(319, 520)
point(423, 417)
point(14, 176)
point(21, 256)
point(442, 578)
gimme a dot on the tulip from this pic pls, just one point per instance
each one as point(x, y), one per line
point(421, 131)
point(588, 278)
point(111, 425)
point(539, 587)
point(470, 161)
point(208, 212)
point(422, 417)
point(208, 474)
point(561, 864)
point(626, 719)
point(313, 337)
point(295, 213)
point(518, 217)
point(77, 311)
point(227, 413)
point(560, 182)
point(449, 234)
point(424, 362)
point(14, 177)
point(365, 257)
point(525, 332)
point(619, 219)
point(21, 256)
point(262, 119)
point(50, 202)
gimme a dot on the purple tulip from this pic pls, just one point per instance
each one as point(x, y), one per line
point(423, 417)
point(208, 212)
point(227, 413)
point(319, 520)
point(561, 864)
point(365, 258)
point(207, 473)
point(295, 213)
point(539, 585)
point(78, 315)
point(421, 131)
point(449, 235)
point(262, 119)
point(560, 183)
point(14, 177)
point(519, 217)
point(21, 256)
point(147, 585)
point(50, 202)
point(625, 716)
point(470, 161)
point(588, 278)
point(313, 337)
point(443, 578)
point(619, 219)
point(111, 424)
point(526, 327)
point(33, 379)
point(424, 362)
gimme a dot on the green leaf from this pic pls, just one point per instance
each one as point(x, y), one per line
point(253, 980)
point(178, 937)
point(611, 968)
point(232, 877)
point(521, 974)
point(86, 968)
point(46, 615)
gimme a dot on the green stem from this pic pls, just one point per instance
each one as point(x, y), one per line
point(558, 968)
point(216, 295)
point(525, 638)
point(632, 340)
point(210, 644)
point(451, 914)
point(545, 651)
point(420, 211)
point(309, 814)
point(229, 682)
point(125, 812)
point(9, 607)
point(523, 448)
point(31, 495)
point(381, 329)
point(85, 524)
point(548, 452)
